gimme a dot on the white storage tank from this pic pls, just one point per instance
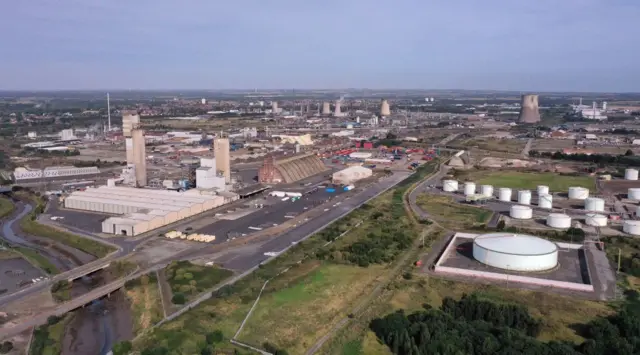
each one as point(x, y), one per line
point(517, 252)
point(578, 193)
point(450, 185)
point(594, 204)
point(545, 201)
point(521, 212)
point(504, 194)
point(486, 190)
point(524, 197)
point(638, 211)
point(558, 220)
point(543, 190)
point(631, 174)
point(631, 227)
point(469, 188)
point(596, 220)
point(633, 193)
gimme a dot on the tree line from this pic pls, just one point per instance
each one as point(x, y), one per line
point(627, 159)
point(473, 326)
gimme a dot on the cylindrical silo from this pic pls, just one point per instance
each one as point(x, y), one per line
point(545, 201)
point(486, 190)
point(469, 188)
point(578, 193)
point(638, 211)
point(594, 204)
point(524, 197)
point(521, 212)
point(631, 227)
point(631, 174)
point(543, 190)
point(558, 220)
point(450, 185)
point(596, 220)
point(633, 193)
point(504, 194)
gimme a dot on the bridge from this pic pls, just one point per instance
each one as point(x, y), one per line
point(83, 270)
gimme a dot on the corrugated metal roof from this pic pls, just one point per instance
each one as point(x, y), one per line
point(150, 206)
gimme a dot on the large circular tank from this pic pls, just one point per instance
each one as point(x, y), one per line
point(504, 194)
point(578, 193)
point(631, 174)
point(486, 190)
point(517, 252)
point(633, 193)
point(450, 185)
point(558, 220)
point(596, 220)
point(545, 201)
point(524, 197)
point(594, 204)
point(543, 190)
point(469, 188)
point(521, 212)
point(631, 227)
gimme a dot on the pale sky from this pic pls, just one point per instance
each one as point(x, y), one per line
point(544, 45)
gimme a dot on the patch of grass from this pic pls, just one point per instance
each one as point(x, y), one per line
point(529, 180)
point(37, 260)
point(47, 339)
point(61, 291)
point(144, 295)
point(449, 213)
point(514, 146)
point(7, 254)
point(6, 207)
point(190, 279)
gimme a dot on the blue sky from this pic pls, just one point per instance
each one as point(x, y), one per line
point(546, 45)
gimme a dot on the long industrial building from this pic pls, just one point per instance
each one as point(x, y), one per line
point(290, 169)
point(142, 210)
point(22, 174)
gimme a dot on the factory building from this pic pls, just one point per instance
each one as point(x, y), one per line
point(290, 169)
point(67, 135)
point(221, 150)
point(142, 210)
point(22, 174)
point(351, 174)
point(208, 176)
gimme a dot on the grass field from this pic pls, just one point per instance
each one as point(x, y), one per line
point(6, 207)
point(189, 279)
point(37, 260)
point(528, 180)
point(61, 291)
point(47, 339)
point(146, 305)
point(514, 146)
point(451, 214)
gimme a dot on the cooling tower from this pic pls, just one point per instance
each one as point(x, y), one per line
point(384, 108)
point(337, 111)
point(529, 109)
point(139, 157)
point(221, 151)
point(274, 107)
point(326, 108)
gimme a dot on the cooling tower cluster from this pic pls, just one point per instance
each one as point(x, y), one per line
point(384, 108)
point(529, 112)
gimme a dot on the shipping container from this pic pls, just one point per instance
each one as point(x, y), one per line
point(330, 190)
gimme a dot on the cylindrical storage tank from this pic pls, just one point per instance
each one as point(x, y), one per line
point(633, 193)
point(486, 190)
point(469, 188)
point(111, 182)
point(518, 252)
point(631, 227)
point(631, 174)
point(594, 204)
point(559, 220)
point(543, 190)
point(545, 201)
point(638, 211)
point(450, 185)
point(504, 194)
point(524, 197)
point(521, 212)
point(596, 220)
point(578, 193)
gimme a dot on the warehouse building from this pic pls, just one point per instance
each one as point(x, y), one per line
point(351, 174)
point(21, 174)
point(290, 169)
point(143, 210)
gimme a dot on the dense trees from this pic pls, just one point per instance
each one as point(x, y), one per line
point(479, 327)
point(592, 158)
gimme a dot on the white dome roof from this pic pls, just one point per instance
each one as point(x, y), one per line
point(515, 244)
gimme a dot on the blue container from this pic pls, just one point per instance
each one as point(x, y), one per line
point(330, 190)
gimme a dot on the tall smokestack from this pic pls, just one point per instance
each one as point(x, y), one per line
point(139, 156)
point(274, 107)
point(221, 152)
point(337, 111)
point(529, 112)
point(130, 120)
point(326, 108)
point(384, 108)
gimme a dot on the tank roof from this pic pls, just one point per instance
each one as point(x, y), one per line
point(515, 244)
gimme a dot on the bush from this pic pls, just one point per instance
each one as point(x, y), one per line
point(6, 347)
point(122, 348)
point(179, 298)
point(215, 337)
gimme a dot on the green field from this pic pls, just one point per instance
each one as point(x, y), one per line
point(529, 180)
point(451, 214)
point(146, 305)
point(189, 280)
point(47, 339)
point(37, 260)
point(6, 207)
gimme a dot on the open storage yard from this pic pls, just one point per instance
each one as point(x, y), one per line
point(514, 146)
point(526, 180)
